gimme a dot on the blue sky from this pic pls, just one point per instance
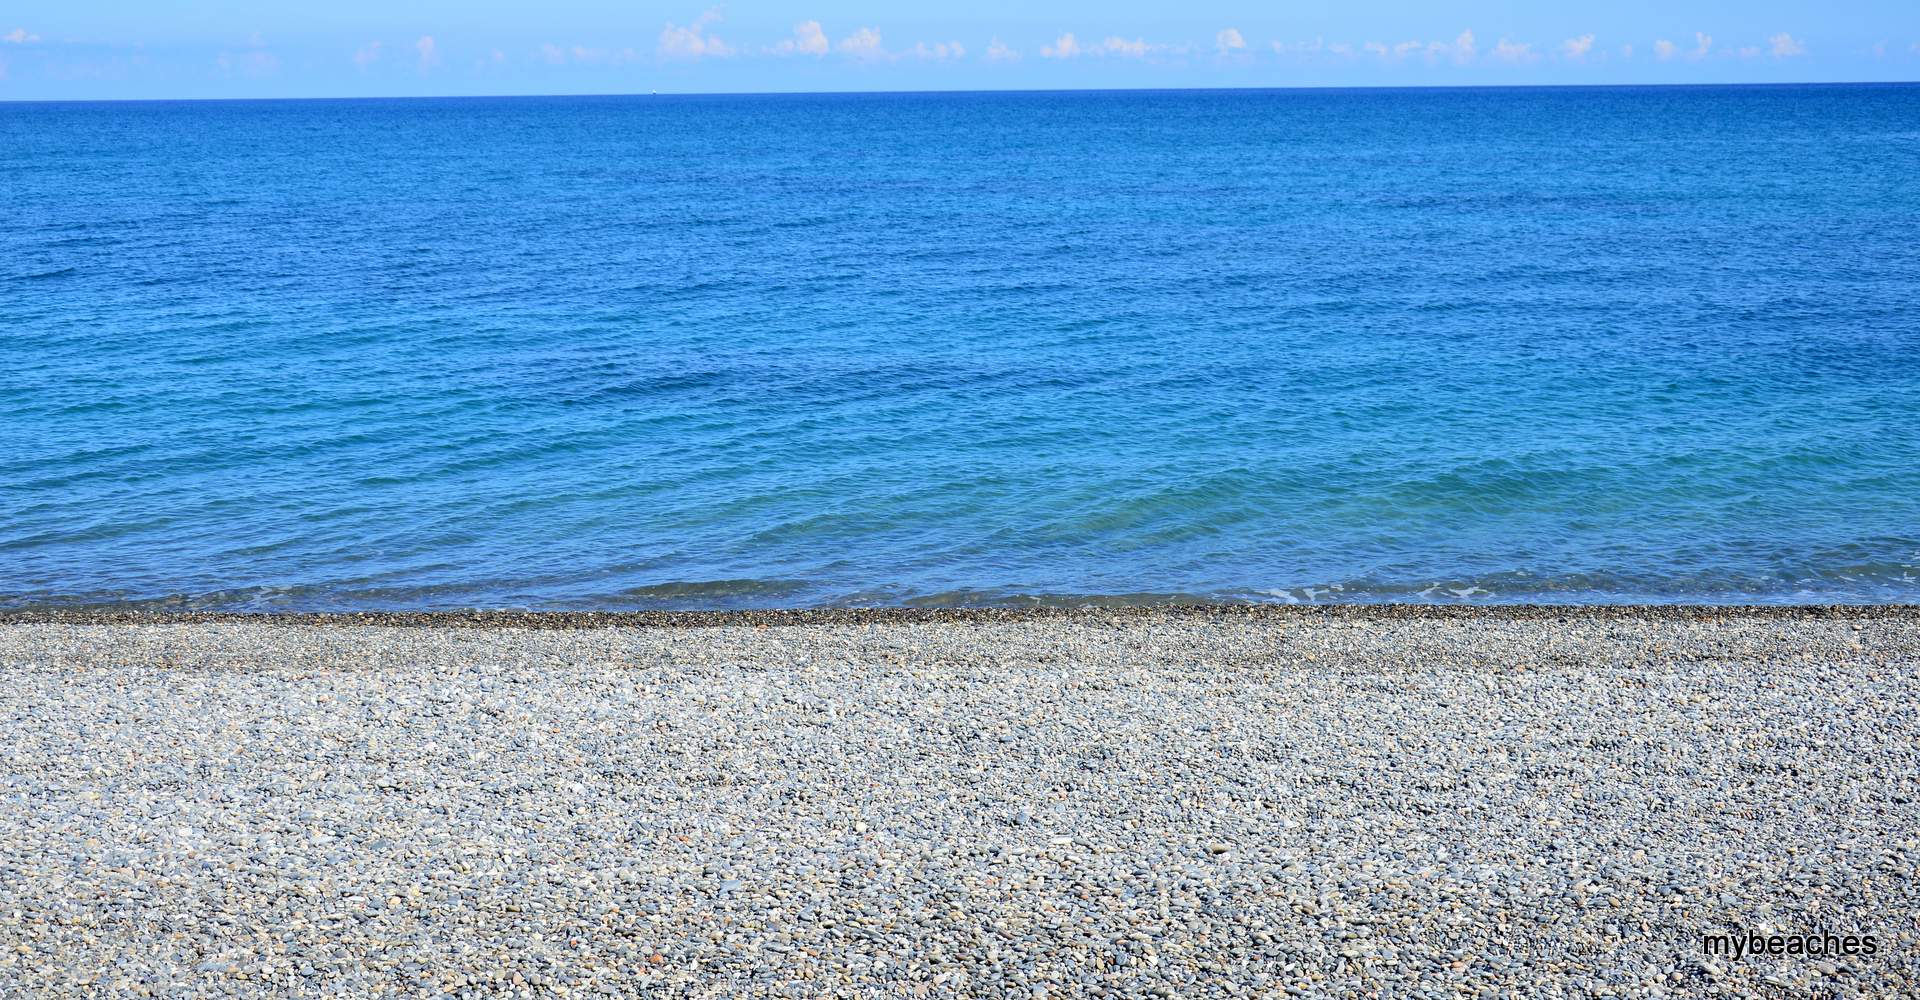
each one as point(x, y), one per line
point(74, 49)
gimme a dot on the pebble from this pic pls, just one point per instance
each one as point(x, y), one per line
point(1099, 802)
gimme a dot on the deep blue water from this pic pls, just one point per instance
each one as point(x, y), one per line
point(1496, 345)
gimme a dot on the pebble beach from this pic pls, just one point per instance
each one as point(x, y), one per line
point(1223, 802)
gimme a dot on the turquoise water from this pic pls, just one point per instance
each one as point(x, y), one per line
point(1582, 345)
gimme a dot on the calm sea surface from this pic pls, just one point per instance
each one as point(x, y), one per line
point(1468, 345)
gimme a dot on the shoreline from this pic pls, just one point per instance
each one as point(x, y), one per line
point(895, 615)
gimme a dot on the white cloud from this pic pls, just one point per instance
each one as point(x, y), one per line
point(1664, 49)
point(1229, 41)
point(809, 39)
point(429, 52)
point(1303, 48)
point(1067, 47)
point(1750, 52)
point(1340, 49)
point(1461, 50)
point(1626, 51)
point(1063, 47)
point(1785, 46)
point(19, 36)
point(582, 54)
point(863, 44)
point(1577, 48)
point(1514, 52)
point(997, 51)
point(254, 63)
point(692, 41)
point(555, 55)
point(367, 54)
point(938, 51)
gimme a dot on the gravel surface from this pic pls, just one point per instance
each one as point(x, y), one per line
point(1093, 803)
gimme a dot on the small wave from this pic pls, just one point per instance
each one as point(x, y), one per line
point(1902, 587)
point(60, 272)
point(988, 598)
point(692, 592)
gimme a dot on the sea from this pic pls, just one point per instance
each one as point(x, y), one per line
point(1563, 345)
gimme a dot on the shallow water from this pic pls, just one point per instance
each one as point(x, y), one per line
point(1648, 344)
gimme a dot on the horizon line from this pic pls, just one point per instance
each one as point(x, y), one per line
point(966, 91)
